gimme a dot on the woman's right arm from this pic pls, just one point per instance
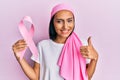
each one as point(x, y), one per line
point(31, 72)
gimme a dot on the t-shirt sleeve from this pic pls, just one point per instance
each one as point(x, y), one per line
point(39, 58)
point(84, 42)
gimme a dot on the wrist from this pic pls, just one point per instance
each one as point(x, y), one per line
point(95, 58)
point(17, 57)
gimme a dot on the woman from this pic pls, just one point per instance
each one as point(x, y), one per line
point(61, 27)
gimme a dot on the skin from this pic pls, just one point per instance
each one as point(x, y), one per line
point(64, 25)
point(31, 72)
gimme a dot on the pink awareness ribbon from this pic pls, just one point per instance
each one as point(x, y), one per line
point(27, 36)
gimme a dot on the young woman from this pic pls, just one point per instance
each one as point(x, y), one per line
point(61, 27)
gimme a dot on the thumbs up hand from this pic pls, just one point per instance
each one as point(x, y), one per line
point(89, 51)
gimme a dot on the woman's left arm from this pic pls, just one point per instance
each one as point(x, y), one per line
point(89, 52)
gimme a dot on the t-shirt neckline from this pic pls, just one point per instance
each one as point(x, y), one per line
point(55, 43)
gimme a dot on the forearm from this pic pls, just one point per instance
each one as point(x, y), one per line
point(30, 72)
point(27, 69)
point(91, 68)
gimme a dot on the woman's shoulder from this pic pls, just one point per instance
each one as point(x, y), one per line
point(84, 42)
point(47, 41)
point(43, 42)
point(82, 39)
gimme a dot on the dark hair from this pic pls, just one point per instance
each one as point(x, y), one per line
point(52, 32)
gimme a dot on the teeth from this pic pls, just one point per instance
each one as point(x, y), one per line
point(64, 31)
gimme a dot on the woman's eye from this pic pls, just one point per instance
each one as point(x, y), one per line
point(69, 20)
point(59, 21)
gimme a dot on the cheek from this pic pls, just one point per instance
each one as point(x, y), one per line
point(71, 25)
point(57, 26)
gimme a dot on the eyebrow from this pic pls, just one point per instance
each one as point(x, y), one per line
point(70, 18)
point(67, 19)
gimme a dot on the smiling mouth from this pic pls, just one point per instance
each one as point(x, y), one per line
point(65, 31)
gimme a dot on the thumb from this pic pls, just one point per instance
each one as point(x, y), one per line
point(89, 41)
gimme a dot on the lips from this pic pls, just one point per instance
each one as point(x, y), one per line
point(65, 31)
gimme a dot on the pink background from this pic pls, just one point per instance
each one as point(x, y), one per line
point(97, 18)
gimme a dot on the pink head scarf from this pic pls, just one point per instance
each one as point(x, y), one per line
point(72, 64)
point(60, 7)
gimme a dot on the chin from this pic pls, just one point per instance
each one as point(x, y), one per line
point(65, 35)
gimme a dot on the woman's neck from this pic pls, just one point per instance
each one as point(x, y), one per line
point(60, 40)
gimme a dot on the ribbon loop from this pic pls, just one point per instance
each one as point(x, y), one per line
point(27, 36)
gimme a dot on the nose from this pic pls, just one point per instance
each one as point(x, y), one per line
point(65, 25)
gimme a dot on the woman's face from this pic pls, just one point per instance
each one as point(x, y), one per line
point(63, 23)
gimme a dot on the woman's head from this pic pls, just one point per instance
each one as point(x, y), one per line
point(62, 22)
